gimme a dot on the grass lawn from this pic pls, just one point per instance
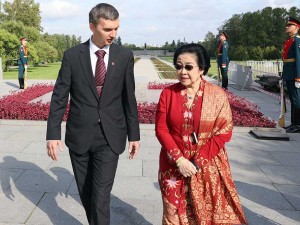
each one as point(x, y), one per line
point(47, 72)
point(213, 70)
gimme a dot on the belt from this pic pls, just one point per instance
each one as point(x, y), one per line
point(219, 53)
point(289, 60)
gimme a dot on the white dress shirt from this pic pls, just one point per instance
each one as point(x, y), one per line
point(94, 58)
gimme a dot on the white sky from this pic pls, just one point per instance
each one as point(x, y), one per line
point(152, 21)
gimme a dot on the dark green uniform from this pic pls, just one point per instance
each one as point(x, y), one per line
point(223, 60)
point(291, 73)
point(22, 61)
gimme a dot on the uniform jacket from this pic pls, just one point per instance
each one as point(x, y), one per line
point(291, 50)
point(117, 108)
point(223, 57)
point(23, 55)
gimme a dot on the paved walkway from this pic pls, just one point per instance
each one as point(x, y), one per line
point(37, 191)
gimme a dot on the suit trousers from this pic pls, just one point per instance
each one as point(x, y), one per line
point(94, 174)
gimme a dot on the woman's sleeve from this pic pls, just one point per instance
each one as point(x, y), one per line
point(162, 129)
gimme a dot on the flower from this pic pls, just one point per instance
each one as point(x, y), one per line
point(18, 106)
point(172, 182)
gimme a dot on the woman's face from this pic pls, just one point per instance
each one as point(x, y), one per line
point(188, 72)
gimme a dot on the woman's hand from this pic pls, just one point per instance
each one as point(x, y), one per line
point(186, 168)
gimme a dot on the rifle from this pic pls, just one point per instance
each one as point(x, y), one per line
point(281, 121)
point(25, 78)
point(219, 73)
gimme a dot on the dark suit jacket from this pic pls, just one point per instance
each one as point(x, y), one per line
point(117, 108)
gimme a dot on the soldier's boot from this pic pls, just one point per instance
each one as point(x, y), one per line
point(22, 83)
point(225, 83)
point(295, 128)
point(292, 118)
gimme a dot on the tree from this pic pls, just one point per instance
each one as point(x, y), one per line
point(14, 27)
point(257, 33)
point(210, 44)
point(119, 41)
point(9, 44)
point(22, 10)
point(46, 52)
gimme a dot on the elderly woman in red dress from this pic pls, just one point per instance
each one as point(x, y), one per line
point(193, 123)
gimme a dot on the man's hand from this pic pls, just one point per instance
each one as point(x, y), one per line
point(223, 65)
point(51, 148)
point(25, 66)
point(133, 149)
point(297, 84)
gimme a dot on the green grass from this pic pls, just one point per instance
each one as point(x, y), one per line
point(47, 72)
point(213, 70)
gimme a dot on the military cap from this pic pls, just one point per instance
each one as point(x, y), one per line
point(23, 38)
point(294, 21)
point(223, 33)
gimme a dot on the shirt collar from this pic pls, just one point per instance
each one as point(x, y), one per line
point(95, 48)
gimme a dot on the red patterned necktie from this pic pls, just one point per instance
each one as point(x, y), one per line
point(100, 71)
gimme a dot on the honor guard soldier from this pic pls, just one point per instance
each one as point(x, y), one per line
point(291, 71)
point(223, 59)
point(22, 61)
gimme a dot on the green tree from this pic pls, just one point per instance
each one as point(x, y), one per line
point(26, 11)
point(46, 52)
point(14, 27)
point(209, 44)
point(8, 47)
point(263, 28)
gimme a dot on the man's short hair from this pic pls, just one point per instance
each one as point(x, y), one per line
point(104, 11)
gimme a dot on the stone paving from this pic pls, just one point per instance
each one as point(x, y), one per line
point(38, 191)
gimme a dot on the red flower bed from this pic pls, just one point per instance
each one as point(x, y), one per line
point(17, 106)
point(157, 85)
point(147, 112)
point(247, 114)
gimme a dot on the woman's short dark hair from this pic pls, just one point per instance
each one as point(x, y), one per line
point(104, 11)
point(203, 59)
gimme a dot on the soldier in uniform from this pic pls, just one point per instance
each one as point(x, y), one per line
point(22, 61)
point(291, 71)
point(223, 59)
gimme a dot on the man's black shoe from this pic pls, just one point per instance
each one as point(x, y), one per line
point(293, 129)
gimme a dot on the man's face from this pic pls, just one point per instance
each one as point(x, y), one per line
point(104, 32)
point(24, 42)
point(222, 37)
point(291, 29)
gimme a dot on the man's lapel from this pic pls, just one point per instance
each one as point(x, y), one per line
point(85, 60)
point(110, 67)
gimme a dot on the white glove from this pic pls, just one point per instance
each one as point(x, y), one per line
point(25, 66)
point(297, 84)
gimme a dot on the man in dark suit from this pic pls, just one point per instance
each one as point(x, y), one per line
point(223, 59)
point(100, 116)
point(291, 71)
